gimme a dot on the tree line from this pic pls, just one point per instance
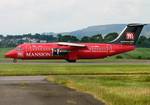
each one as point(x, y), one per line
point(14, 40)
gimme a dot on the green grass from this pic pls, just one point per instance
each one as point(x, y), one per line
point(113, 84)
point(112, 90)
point(139, 53)
point(72, 69)
point(3, 51)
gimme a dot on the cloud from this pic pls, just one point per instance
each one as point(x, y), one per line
point(24, 16)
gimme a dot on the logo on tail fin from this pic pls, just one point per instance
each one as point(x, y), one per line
point(130, 36)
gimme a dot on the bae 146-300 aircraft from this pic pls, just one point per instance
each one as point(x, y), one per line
point(73, 51)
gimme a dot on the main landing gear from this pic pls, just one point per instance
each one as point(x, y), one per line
point(71, 61)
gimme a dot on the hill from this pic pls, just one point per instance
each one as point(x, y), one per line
point(104, 29)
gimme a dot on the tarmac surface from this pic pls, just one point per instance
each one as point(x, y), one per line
point(35, 90)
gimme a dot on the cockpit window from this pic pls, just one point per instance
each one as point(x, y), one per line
point(18, 49)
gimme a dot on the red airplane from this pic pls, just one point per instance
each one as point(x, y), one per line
point(73, 51)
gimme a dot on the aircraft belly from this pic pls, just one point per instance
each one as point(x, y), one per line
point(92, 55)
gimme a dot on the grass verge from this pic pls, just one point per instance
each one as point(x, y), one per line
point(113, 84)
point(72, 69)
point(112, 90)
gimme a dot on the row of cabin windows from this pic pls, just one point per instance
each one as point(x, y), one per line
point(39, 49)
point(34, 49)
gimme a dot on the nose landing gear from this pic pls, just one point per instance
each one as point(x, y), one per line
point(14, 60)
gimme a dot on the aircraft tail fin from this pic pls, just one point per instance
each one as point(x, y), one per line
point(129, 35)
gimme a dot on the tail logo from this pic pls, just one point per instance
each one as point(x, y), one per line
point(130, 36)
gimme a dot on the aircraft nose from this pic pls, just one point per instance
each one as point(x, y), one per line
point(11, 54)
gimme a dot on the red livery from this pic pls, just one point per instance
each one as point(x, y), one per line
point(73, 51)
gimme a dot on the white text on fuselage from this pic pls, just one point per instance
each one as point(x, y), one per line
point(38, 54)
point(101, 49)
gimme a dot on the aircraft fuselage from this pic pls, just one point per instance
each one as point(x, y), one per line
point(55, 51)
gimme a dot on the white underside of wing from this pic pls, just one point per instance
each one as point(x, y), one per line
point(71, 44)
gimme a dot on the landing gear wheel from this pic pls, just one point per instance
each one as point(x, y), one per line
point(14, 60)
point(71, 61)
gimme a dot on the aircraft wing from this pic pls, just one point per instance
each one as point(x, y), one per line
point(71, 44)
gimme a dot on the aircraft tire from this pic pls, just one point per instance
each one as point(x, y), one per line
point(14, 60)
point(71, 61)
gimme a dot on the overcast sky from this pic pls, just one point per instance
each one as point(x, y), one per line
point(31, 16)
